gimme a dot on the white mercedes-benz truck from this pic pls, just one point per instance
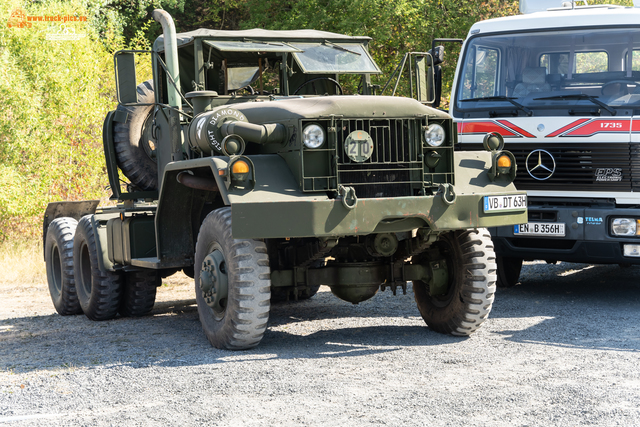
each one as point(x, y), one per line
point(561, 84)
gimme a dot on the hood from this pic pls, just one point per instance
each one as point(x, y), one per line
point(351, 106)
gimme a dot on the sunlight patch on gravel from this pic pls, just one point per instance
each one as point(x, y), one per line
point(570, 272)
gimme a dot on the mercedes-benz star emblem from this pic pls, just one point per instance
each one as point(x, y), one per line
point(540, 164)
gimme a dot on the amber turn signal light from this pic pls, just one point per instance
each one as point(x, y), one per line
point(240, 167)
point(504, 162)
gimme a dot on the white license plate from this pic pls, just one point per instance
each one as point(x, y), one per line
point(539, 229)
point(516, 202)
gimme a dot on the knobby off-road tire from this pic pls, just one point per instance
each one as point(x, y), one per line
point(133, 141)
point(471, 264)
point(139, 293)
point(99, 292)
point(242, 322)
point(508, 271)
point(58, 257)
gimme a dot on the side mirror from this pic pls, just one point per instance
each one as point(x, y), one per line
point(424, 78)
point(126, 85)
point(438, 54)
point(429, 76)
point(428, 80)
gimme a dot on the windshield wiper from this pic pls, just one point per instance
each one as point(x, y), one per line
point(337, 46)
point(593, 99)
point(527, 111)
point(246, 40)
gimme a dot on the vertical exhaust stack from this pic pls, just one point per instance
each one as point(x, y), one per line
point(170, 54)
point(169, 144)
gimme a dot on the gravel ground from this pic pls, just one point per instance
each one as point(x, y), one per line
point(561, 348)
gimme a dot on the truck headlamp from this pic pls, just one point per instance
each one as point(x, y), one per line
point(313, 136)
point(434, 135)
point(625, 227)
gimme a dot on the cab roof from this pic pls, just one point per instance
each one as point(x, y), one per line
point(260, 34)
point(561, 18)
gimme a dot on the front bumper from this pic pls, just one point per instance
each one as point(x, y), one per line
point(325, 218)
point(587, 237)
point(275, 208)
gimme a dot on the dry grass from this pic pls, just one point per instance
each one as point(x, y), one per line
point(23, 273)
point(23, 280)
point(22, 263)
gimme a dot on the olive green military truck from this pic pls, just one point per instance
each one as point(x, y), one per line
point(253, 171)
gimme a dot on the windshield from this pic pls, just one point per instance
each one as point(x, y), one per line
point(592, 72)
point(332, 58)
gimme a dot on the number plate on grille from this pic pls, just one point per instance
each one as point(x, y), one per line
point(517, 202)
point(358, 146)
point(539, 229)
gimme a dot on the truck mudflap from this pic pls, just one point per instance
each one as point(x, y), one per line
point(276, 208)
point(75, 210)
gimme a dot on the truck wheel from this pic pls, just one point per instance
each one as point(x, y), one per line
point(232, 284)
point(134, 143)
point(58, 258)
point(467, 301)
point(508, 271)
point(139, 293)
point(99, 292)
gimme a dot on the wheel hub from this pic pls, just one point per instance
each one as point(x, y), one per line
point(439, 283)
point(214, 281)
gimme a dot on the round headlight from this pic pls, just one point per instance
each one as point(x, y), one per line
point(434, 135)
point(313, 136)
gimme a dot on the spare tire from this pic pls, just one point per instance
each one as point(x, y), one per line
point(134, 142)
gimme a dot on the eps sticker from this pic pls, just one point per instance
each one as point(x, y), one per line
point(609, 174)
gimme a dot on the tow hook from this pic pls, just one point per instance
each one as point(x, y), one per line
point(348, 196)
point(448, 193)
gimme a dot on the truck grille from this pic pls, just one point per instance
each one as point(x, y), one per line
point(580, 167)
point(394, 169)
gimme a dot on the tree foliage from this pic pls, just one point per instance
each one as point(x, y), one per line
point(54, 95)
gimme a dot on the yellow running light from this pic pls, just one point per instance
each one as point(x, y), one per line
point(504, 162)
point(239, 167)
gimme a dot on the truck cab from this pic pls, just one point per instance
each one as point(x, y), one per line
point(562, 86)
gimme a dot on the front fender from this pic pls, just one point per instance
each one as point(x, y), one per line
point(179, 212)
